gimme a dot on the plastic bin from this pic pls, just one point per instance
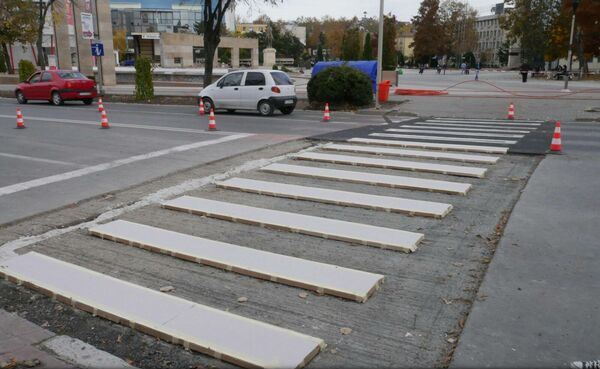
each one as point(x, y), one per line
point(383, 92)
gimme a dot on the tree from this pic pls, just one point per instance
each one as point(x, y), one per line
point(351, 45)
point(367, 48)
point(390, 59)
point(120, 41)
point(459, 32)
point(528, 23)
point(42, 9)
point(428, 30)
point(503, 53)
point(17, 24)
point(320, 47)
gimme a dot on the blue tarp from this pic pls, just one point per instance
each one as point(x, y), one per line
point(369, 67)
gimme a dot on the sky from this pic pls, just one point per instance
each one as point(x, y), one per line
point(404, 10)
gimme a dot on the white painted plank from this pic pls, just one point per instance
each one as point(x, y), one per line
point(456, 170)
point(431, 185)
point(474, 125)
point(217, 333)
point(488, 123)
point(492, 120)
point(323, 278)
point(440, 155)
point(362, 200)
point(306, 224)
point(431, 145)
point(453, 133)
point(461, 129)
point(442, 138)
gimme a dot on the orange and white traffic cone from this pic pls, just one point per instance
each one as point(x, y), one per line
point(20, 121)
point(556, 144)
point(511, 111)
point(201, 107)
point(326, 116)
point(212, 123)
point(104, 120)
point(100, 105)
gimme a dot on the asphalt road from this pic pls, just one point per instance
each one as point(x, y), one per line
point(63, 157)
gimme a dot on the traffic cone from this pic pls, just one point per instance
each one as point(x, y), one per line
point(556, 144)
point(511, 111)
point(20, 121)
point(100, 105)
point(201, 107)
point(104, 120)
point(212, 123)
point(326, 116)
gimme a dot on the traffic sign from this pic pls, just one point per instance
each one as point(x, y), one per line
point(98, 49)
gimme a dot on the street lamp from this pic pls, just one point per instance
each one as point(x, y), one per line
point(379, 53)
point(570, 53)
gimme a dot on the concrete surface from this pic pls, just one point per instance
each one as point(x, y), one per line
point(81, 354)
point(539, 303)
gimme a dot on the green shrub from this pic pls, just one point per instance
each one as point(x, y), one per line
point(275, 67)
point(144, 87)
point(340, 85)
point(26, 69)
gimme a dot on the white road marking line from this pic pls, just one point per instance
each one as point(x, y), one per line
point(475, 125)
point(459, 128)
point(112, 164)
point(442, 138)
point(41, 160)
point(489, 123)
point(493, 120)
point(7, 250)
point(122, 125)
point(432, 145)
point(453, 133)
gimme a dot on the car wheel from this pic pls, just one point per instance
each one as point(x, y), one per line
point(265, 108)
point(20, 97)
point(231, 110)
point(88, 101)
point(208, 104)
point(287, 110)
point(56, 99)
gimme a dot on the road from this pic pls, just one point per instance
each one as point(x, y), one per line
point(62, 157)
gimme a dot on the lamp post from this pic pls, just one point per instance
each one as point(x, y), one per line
point(570, 53)
point(379, 53)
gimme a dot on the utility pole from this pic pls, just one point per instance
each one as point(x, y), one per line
point(570, 53)
point(379, 54)
point(100, 81)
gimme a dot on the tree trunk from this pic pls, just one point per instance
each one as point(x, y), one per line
point(210, 47)
point(583, 66)
point(9, 65)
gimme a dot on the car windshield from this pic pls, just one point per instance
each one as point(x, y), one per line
point(281, 78)
point(71, 75)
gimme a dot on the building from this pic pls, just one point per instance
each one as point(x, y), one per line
point(491, 37)
point(403, 42)
point(298, 31)
point(251, 27)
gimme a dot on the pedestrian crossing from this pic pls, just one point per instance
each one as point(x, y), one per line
point(251, 343)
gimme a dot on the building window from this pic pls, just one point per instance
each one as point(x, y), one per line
point(177, 60)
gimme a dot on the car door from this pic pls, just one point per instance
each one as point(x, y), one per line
point(45, 85)
point(253, 90)
point(31, 91)
point(227, 94)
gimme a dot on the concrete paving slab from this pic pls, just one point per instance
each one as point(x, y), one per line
point(431, 185)
point(456, 170)
point(466, 127)
point(83, 355)
point(466, 158)
point(442, 138)
point(453, 133)
point(323, 278)
point(229, 337)
point(385, 203)
point(364, 234)
point(492, 120)
point(431, 145)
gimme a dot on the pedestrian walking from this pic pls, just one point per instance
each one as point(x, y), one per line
point(477, 72)
point(444, 68)
point(463, 68)
point(524, 70)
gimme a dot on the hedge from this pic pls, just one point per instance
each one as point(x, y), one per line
point(144, 87)
point(26, 69)
point(340, 85)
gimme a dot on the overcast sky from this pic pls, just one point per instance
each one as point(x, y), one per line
point(291, 9)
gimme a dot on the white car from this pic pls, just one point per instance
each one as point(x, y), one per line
point(256, 89)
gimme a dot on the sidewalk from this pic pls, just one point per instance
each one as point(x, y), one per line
point(540, 299)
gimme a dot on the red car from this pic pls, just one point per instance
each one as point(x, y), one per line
point(56, 86)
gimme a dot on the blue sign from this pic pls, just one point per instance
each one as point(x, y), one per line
point(97, 49)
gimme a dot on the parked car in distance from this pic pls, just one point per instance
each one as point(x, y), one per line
point(264, 90)
point(56, 86)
